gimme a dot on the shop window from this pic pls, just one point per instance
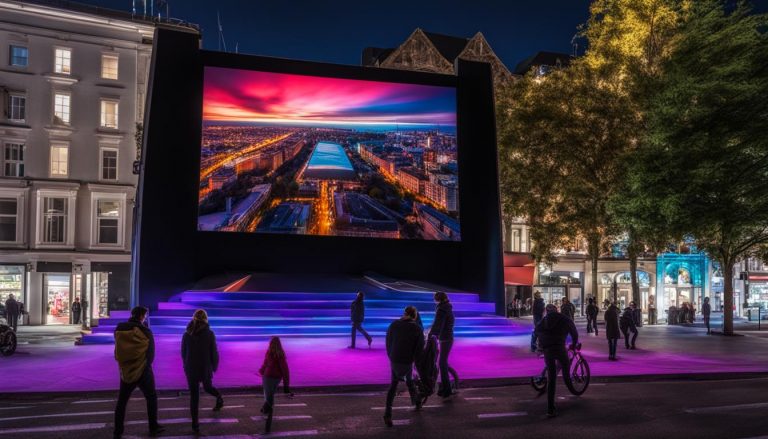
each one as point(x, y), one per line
point(62, 62)
point(55, 220)
point(11, 282)
point(109, 65)
point(13, 160)
point(19, 56)
point(8, 219)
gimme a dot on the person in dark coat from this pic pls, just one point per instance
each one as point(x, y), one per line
point(273, 370)
point(76, 310)
point(706, 310)
point(12, 312)
point(552, 332)
point(405, 342)
point(201, 359)
point(567, 309)
point(357, 311)
point(135, 352)
point(627, 322)
point(592, 311)
point(538, 314)
point(612, 332)
point(442, 328)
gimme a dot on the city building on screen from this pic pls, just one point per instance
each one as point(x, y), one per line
point(74, 81)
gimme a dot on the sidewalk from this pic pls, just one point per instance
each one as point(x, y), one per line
point(59, 366)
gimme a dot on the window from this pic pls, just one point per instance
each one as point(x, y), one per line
point(18, 108)
point(61, 108)
point(108, 221)
point(109, 66)
point(8, 219)
point(108, 114)
point(62, 61)
point(54, 220)
point(108, 164)
point(19, 56)
point(13, 165)
point(59, 160)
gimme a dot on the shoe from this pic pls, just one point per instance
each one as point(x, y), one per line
point(369, 343)
point(117, 435)
point(418, 405)
point(154, 432)
point(552, 413)
point(633, 348)
point(350, 347)
point(196, 428)
point(219, 404)
point(388, 421)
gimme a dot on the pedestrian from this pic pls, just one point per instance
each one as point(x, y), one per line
point(12, 312)
point(357, 310)
point(652, 310)
point(567, 309)
point(538, 314)
point(592, 311)
point(552, 332)
point(76, 310)
point(706, 310)
point(135, 352)
point(405, 342)
point(612, 333)
point(273, 370)
point(200, 357)
point(442, 328)
point(627, 322)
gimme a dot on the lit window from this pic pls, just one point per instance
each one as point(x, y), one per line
point(18, 108)
point(13, 164)
point(8, 218)
point(54, 220)
point(108, 221)
point(108, 164)
point(61, 108)
point(108, 114)
point(19, 56)
point(62, 61)
point(59, 160)
point(109, 66)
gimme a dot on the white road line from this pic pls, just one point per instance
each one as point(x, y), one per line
point(478, 398)
point(58, 415)
point(501, 415)
point(16, 408)
point(757, 405)
point(176, 409)
point(288, 434)
point(93, 401)
point(168, 398)
point(406, 407)
point(401, 422)
point(298, 404)
point(188, 420)
point(283, 418)
point(53, 428)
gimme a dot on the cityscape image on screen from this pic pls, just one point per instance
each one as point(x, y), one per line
point(311, 155)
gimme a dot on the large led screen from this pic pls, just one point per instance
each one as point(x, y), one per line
point(311, 155)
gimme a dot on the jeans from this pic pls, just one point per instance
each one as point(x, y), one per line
point(194, 394)
point(534, 346)
point(400, 372)
point(270, 388)
point(358, 326)
point(652, 320)
point(147, 386)
point(626, 330)
point(591, 324)
point(706, 322)
point(445, 376)
point(612, 347)
point(13, 321)
point(553, 356)
point(75, 318)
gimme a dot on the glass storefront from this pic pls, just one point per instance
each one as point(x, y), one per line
point(554, 285)
point(11, 282)
point(681, 279)
point(56, 293)
point(623, 288)
point(100, 308)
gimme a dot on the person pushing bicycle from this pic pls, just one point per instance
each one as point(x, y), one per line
point(552, 332)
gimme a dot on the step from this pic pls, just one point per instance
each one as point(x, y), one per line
point(295, 296)
point(336, 304)
point(329, 330)
point(186, 310)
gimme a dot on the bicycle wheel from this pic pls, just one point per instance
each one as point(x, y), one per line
point(580, 376)
point(8, 343)
point(539, 383)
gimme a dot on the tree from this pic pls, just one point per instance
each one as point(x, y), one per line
point(703, 167)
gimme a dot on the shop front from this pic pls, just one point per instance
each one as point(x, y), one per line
point(618, 287)
point(12, 281)
point(554, 285)
point(683, 280)
point(757, 295)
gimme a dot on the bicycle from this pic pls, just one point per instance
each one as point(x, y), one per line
point(579, 372)
point(7, 339)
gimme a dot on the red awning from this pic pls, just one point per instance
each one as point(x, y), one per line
point(518, 268)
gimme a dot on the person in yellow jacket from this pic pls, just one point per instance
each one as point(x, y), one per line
point(134, 352)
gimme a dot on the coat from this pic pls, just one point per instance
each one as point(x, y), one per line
point(405, 341)
point(568, 310)
point(276, 368)
point(611, 317)
point(592, 310)
point(76, 308)
point(538, 310)
point(442, 325)
point(134, 349)
point(199, 353)
point(11, 308)
point(357, 311)
point(553, 330)
point(706, 309)
point(627, 320)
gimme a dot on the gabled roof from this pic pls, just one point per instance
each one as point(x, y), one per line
point(372, 56)
point(450, 47)
point(543, 59)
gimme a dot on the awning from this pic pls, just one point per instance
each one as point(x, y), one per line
point(518, 268)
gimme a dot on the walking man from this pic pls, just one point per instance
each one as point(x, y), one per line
point(200, 357)
point(357, 310)
point(567, 309)
point(538, 314)
point(76, 310)
point(552, 332)
point(612, 333)
point(134, 352)
point(442, 328)
point(592, 311)
point(628, 326)
point(12, 312)
point(405, 341)
point(706, 310)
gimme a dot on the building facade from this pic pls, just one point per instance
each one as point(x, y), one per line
point(73, 82)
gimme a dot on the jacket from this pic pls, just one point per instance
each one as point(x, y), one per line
point(76, 308)
point(706, 309)
point(538, 310)
point(442, 325)
point(611, 317)
point(627, 320)
point(276, 368)
point(134, 349)
point(553, 330)
point(592, 310)
point(11, 307)
point(357, 311)
point(568, 310)
point(405, 341)
point(199, 353)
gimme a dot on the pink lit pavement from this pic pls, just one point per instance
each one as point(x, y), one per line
point(55, 365)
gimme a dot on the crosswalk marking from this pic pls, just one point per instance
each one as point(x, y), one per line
point(188, 420)
point(501, 415)
point(297, 404)
point(53, 428)
point(288, 433)
point(757, 405)
point(93, 401)
point(478, 398)
point(283, 418)
point(406, 407)
point(15, 408)
point(57, 415)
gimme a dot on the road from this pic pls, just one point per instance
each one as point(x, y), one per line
point(626, 409)
point(221, 160)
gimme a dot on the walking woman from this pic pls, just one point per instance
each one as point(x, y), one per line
point(201, 360)
point(357, 314)
point(442, 327)
point(274, 369)
point(612, 330)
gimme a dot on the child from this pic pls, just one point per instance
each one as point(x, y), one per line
point(274, 369)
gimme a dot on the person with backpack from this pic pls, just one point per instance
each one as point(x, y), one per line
point(357, 311)
point(612, 333)
point(200, 357)
point(135, 352)
point(442, 328)
point(706, 310)
point(538, 315)
point(627, 322)
point(273, 370)
point(405, 342)
point(592, 311)
point(552, 332)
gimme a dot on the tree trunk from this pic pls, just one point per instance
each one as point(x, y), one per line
point(632, 253)
point(728, 297)
point(594, 253)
